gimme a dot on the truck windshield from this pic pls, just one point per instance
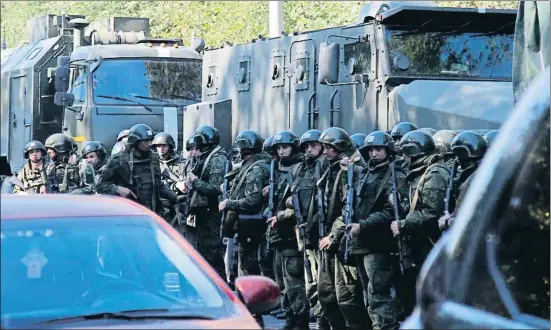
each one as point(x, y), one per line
point(451, 52)
point(150, 81)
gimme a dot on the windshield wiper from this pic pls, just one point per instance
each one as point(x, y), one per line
point(492, 32)
point(125, 99)
point(155, 99)
point(136, 314)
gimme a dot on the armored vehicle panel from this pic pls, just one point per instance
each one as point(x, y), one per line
point(27, 107)
point(446, 68)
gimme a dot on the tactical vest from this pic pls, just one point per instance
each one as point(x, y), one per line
point(62, 177)
point(144, 181)
point(33, 179)
point(306, 188)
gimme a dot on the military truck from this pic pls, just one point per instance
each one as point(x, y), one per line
point(398, 61)
point(92, 80)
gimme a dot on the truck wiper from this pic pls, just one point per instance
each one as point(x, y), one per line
point(125, 99)
point(493, 32)
point(137, 314)
point(155, 99)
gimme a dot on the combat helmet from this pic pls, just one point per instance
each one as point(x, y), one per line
point(285, 137)
point(118, 147)
point(91, 146)
point(402, 129)
point(61, 143)
point(190, 143)
point(312, 135)
point(490, 137)
point(164, 138)
point(358, 139)
point(337, 138)
point(34, 145)
point(378, 139)
point(417, 144)
point(443, 141)
point(206, 137)
point(139, 132)
point(469, 145)
point(429, 131)
point(249, 140)
point(124, 133)
point(268, 146)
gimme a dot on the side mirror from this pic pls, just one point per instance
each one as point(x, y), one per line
point(260, 294)
point(64, 99)
point(329, 59)
point(61, 79)
point(198, 44)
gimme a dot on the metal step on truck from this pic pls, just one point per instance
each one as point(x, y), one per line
point(92, 80)
point(445, 68)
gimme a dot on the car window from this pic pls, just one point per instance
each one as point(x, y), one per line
point(70, 267)
point(520, 234)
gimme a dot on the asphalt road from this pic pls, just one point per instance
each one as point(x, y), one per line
point(271, 322)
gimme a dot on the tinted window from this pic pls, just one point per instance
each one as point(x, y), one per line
point(444, 52)
point(60, 268)
point(78, 84)
point(176, 81)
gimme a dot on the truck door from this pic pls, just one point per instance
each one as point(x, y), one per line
point(20, 121)
point(302, 84)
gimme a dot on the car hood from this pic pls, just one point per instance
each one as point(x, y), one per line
point(453, 104)
point(233, 323)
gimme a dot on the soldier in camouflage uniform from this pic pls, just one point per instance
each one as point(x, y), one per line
point(267, 257)
point(136, 173)
point(469, 148)
point(306, 177)
point(397, 132)
point(428, 180)
point(62, 176)
point(245, 203)
point(282, 225)
point(164, 145)
point(371, 239)
point(339, 287)
point(443, 140)
point(33, 174)
point(203, 229)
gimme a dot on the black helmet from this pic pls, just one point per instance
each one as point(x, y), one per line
point(469, 145)
point(358, 139)
point(338, 138)
point(268, 146)
point(379, 139)
point(90, 146)
point(285, 137)
point(34, 145)
point(443, 141)
point(490, 137)
point(139, 132)
point(60, 143)
point(417, 143)
point(402, 129)
point(123, 134)
point(428, 130)
point(312, 135)
point(249, 140)
point(164, 138)
point(206, 136)
point(118, 147)
point(190, 143)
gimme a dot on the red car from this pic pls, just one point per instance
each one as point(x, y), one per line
point(106, 262)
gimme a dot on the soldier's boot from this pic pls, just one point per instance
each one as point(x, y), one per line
point(302, 322)
point(290, 322)
point(322, 323)
point(282, 315)
point(260, 320)
point(276, 312)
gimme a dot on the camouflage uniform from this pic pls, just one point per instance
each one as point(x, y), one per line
point(65, 178)
point(32, 179)
point(173, 164)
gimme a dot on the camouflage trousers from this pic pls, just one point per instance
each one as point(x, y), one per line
point(326, 291)
point(349, 291)
point(312, 288)
point(376, 275)
point(266, 260)
point(247, 259)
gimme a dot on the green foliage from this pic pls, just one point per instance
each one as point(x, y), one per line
point(214, 21)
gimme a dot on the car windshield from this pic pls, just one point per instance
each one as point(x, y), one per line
point(149, 81)
point(62, 268)
point(445, 52)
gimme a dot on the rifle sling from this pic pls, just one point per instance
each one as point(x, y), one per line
point(194, 194)
point(380, 188)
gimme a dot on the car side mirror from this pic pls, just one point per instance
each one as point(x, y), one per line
point(260, 294)
point(64, 99)
point(329, 59)
point(61, 79)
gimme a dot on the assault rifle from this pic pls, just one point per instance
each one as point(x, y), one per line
point(396, 213)
point(449, 189)
point(348, 209)
point(270, 211)
point(302, 236)
point(321, 219)
point(229, 242)
point(16, 182)
point(225, 189)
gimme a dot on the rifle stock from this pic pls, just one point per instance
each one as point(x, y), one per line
point(16, 182)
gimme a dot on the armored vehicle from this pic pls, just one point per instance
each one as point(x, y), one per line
point(92, 80)
point(445, 68)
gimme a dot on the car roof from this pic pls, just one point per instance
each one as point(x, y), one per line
point(42, 206)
